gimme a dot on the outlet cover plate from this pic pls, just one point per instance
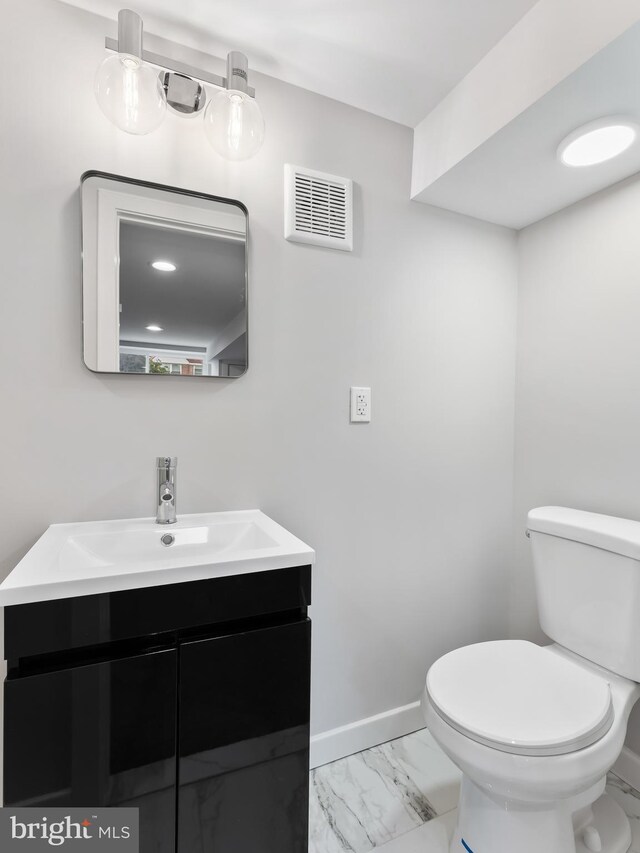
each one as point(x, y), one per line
point(360, 410)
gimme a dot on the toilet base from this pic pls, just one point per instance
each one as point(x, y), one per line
point(612, 824)
point(486, 825)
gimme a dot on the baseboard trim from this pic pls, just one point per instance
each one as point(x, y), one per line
point(627, 767)
point(362, 734)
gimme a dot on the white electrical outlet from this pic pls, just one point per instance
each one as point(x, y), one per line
point(360, 405)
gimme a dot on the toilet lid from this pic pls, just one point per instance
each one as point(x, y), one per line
point(519, 697)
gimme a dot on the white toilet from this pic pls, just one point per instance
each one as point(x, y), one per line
point(534, 729)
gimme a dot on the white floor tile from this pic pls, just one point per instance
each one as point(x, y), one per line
point(431, 837)
point(365, 802)
point(433, 772)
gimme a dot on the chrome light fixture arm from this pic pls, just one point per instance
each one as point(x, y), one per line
point(118, 46)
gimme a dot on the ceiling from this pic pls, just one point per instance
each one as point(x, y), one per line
point(192, 304)
point(394, 58)
point(515, 178)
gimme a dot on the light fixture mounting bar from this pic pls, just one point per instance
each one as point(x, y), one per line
point(180, 67)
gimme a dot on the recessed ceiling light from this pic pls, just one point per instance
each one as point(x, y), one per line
point(164, 266)
point(597, 142)
point(154, 328)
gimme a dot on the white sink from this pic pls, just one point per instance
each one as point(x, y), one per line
point(91, 557)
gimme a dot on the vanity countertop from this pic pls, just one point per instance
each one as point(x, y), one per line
point(91, 557)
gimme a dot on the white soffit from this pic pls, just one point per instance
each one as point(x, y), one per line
point(516, 178)
point(552, 41)
point(394, 59)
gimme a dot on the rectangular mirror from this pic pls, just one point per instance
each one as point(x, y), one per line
point(164, 277)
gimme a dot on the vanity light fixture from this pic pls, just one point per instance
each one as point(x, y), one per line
point(154, 328)
point(135, 97)
point(597, 141)
point(164, 266)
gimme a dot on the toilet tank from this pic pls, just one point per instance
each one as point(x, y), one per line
point(587, 576)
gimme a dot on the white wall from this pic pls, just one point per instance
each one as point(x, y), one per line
point(411, 514)
point(578, 377)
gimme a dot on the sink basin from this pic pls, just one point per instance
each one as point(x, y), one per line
point(93, 557)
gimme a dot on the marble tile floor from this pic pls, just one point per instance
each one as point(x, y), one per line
point(400, 797)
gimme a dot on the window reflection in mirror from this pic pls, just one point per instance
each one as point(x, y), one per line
point(164, 280)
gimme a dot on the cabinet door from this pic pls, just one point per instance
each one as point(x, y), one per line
point(97, 735)
point(244, 742)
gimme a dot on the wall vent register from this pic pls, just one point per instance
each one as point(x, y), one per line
point(318, 208)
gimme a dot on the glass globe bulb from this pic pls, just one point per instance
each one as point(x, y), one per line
point(130, 94)
point(234, 124)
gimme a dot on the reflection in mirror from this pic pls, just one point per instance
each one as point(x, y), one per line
point(164, 280)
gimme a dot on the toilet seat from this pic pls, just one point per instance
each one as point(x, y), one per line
point(518, 697)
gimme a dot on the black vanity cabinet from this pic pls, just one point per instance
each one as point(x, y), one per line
point(188, 701)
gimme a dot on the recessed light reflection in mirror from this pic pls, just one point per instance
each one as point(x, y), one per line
point(164, 266)
point(154, 328)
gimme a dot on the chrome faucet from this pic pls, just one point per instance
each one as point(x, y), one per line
point(166, 498)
